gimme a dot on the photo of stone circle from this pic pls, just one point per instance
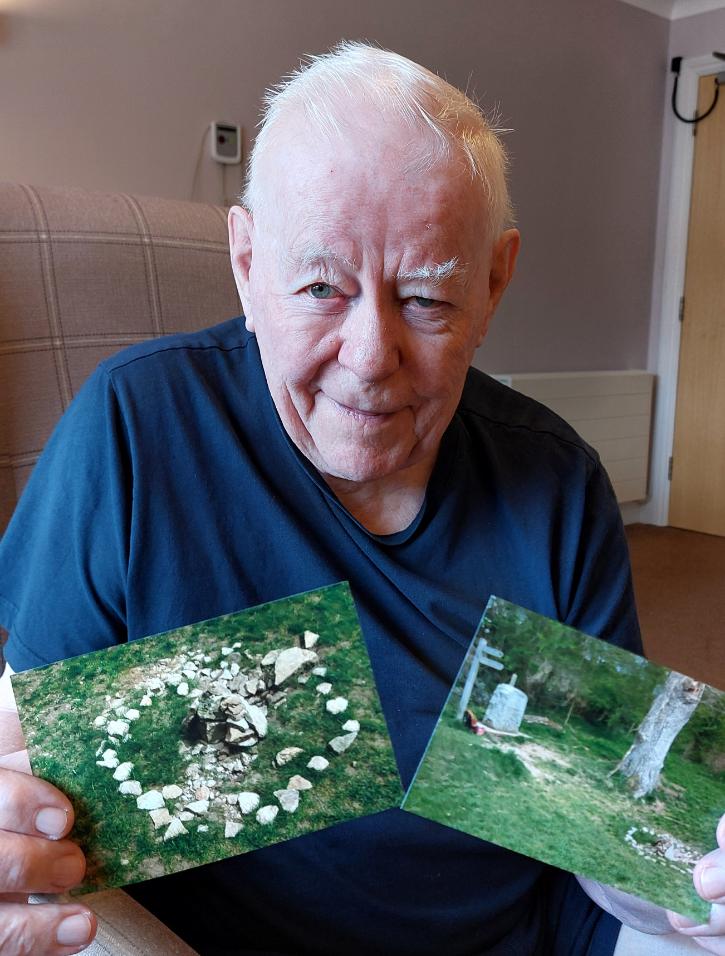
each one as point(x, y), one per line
point(213, 739)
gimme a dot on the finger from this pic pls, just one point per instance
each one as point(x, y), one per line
point(713, 930)
point(34, 865)
point(34, 806)
point(720, 832)
point(11, 734)
point(716, 946)
point(47, 929)
point(18, 761)
point(709, 877)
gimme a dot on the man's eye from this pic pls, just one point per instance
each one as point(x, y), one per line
point(321, 290)
point(423, 302)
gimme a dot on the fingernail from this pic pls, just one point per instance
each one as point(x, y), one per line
point(712, 881)
point(51, 821)
point(68, 870)
point(74, 930)
point(681, 922)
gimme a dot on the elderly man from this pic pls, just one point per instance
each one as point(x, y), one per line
point(340, 436)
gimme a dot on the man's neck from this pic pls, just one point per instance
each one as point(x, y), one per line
point(385, 505)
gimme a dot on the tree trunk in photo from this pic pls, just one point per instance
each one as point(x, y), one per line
point(673, 705)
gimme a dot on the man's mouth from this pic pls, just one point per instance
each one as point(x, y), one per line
point(361, 413)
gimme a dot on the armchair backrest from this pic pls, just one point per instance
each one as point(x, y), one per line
point(83, 274)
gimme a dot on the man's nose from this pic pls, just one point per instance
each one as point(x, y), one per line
point(370, 345)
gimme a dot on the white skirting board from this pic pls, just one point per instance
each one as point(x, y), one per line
point(612, 411)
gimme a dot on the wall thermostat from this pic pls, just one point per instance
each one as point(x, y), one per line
point(226, 143)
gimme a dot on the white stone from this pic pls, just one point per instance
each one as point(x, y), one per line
point(340, 744)
point(266, 815)
point(231, 828)
point(99, 721)
point(151, 800)
point(248, 801)
point(226, 651)
point(117, 728)
point(289, 800)
point(198, 806)
point(319, 671)
point(287, 754)
point(185, 816)
point(324, 688)
point(183, 689)
point(290, 661)
point(145, 701)
point(337, 705)
point(123, 771)
point(175, 828)
point(351, 726)
point(132, 714)
point(131, 787)
point(318, 763)
point(256, 717)
point(160, 817)
point(174, 679)
point(171, 792)
point(109, 759)
point(310, 639)
point(270, 658)
point(298, 783)
point(202, 828)
point(155, 684)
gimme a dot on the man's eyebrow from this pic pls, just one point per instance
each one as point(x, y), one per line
point(435, 273)
point(309, 256)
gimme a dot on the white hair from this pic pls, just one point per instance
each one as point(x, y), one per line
point(394, 86)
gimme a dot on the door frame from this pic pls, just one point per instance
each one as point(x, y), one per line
point(668, 287)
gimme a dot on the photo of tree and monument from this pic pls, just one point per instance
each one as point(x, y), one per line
point(580, 754)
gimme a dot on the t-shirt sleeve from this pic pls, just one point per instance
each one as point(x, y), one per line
point(64, 556)
point(601, 598)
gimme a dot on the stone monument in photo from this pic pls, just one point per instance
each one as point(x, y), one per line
point(506, 708)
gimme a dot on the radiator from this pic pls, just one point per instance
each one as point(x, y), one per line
point(612, 411)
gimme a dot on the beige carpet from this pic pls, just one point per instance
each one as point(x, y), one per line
point(679, 583)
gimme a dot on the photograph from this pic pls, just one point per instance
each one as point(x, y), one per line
point(580, 754)
point(212, 739)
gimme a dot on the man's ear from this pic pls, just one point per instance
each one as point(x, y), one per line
point(503, 262)
point(241, 234)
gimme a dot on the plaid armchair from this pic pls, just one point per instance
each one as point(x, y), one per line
point(82, 275)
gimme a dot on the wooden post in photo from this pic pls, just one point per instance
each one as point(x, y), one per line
point(484, 655)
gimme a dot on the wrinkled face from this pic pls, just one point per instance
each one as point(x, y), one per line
point(368, 288)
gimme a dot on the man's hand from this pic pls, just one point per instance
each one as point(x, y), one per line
point(34, 856)
point(709, 879)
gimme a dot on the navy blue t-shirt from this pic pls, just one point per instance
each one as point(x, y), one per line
point(170, 493)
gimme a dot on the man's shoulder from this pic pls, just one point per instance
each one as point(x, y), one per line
point(153, 354)
point(494, 405)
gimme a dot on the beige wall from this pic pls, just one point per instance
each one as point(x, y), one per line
point(116, 94)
